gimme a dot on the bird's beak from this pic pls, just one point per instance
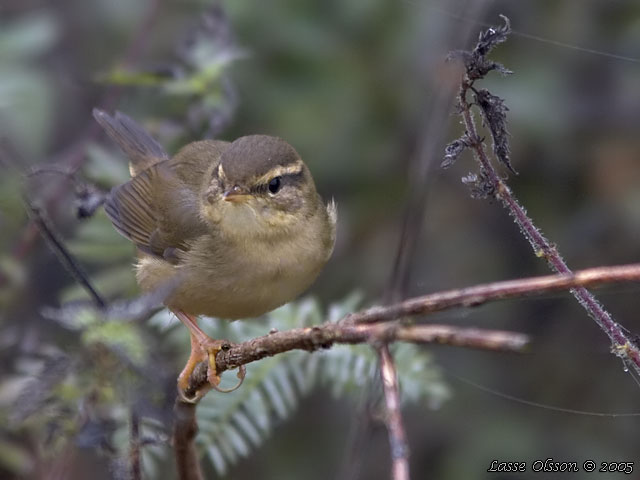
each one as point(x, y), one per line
point(236, 194)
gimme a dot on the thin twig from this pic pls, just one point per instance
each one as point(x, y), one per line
point(134, 445)
point(49, 233)
point(397, 436)
point(74, 156)
point(431, 138)
point(185, 429)
point(479, 294)
point(328, 334)
point(623, 346)
point(432, 133)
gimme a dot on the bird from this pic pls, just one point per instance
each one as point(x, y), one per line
point(239, 227)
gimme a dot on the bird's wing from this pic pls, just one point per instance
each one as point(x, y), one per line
point(142, 150)
point(157, 211)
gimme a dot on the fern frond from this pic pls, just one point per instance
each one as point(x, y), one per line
point(233, 425)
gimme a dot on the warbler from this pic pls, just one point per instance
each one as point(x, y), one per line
point(238, 226)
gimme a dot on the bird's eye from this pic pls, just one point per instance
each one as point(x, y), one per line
point(274, 184)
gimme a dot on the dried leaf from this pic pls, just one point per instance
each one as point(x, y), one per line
point(480, 185)
point(475, 62)
point(494, 113)
point(454, 149)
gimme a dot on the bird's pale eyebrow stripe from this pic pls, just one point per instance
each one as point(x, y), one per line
point(280, 171)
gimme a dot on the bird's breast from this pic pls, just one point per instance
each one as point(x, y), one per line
point(233, 280)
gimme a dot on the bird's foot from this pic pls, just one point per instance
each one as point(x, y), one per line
point(205, 350)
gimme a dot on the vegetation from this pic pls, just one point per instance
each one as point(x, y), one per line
point(354, 87)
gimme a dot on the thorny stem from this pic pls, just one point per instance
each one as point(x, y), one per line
point(623, 346)
point(397, 436)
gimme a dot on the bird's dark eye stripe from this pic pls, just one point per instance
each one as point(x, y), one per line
point(289, 178)
point(285, 179)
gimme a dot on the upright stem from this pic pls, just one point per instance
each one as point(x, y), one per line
point(397, 436)
point(622, 344)
point(185, 429)
point(134, 445)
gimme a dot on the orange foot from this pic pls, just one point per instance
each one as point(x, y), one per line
point(202, 348)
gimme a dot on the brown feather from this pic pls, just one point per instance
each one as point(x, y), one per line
point(156, 211)
point(142, 150)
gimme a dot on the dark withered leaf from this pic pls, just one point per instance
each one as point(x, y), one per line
point(475, 61)
point(459, 55)
point(491, 37)
point(454, 149)
point(479, 184)
point(477, 69)
point(501, 69)
point(494, 113)
point(88, 200)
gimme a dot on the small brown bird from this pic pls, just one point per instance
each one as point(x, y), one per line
point(238, 226)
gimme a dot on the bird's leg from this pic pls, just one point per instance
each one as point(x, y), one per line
point(203, 348)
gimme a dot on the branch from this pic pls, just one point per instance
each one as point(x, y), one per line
point(480, 294)
point(491, 184)
point(397, 437)
point(377, 324)
point(326, 335)
point(45, 227)
point(185, 429)
point(135, 466)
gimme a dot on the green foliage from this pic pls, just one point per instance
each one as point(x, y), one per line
point(120, 336)
point(231, 425)
point(26, 91)
point(196, 82)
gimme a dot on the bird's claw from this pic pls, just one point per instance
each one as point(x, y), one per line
point(242, 372)
point(206, 351)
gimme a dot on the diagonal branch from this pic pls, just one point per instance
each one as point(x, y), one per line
point(45, 227)
point(480, 294)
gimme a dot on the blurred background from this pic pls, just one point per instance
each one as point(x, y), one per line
point(360, 89)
